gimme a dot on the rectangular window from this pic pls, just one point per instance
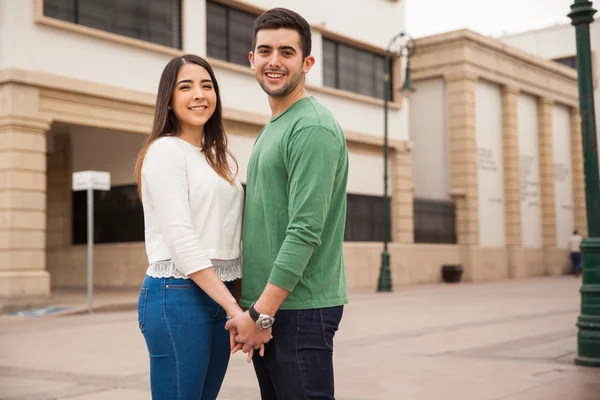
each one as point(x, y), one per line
point(155, 21)
point(118, 216)
point(434, 221)
point(568, 61)
point(229, 33)
point(364, 219)
point(355, 70)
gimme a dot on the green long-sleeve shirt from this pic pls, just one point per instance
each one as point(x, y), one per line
point(296, 209)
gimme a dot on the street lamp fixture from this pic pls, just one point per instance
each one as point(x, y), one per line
point(588, 336)
point(400, 46)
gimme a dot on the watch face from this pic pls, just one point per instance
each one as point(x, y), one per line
point(266, 323)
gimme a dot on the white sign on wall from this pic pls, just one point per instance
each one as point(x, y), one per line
point(563, 183)
point(490, 175)
point(529, 168)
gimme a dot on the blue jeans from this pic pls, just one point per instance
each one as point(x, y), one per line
point(186, 339)
point(576, 262)
point(298, 361)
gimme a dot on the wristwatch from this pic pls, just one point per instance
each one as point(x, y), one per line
point(263, 321)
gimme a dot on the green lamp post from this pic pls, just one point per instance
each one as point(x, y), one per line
point(588, 337)
point(406, 47)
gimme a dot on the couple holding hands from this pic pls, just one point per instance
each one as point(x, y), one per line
point(290, 252)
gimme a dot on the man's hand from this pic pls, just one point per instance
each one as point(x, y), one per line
point(246, 335)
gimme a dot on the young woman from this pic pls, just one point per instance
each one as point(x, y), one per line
point(192, 213)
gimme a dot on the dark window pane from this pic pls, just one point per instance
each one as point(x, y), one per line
point(165, 23)
point(156, 21)
point(131, 18)
point(365, 74)
point(118, 216)
point(216, 31)
point(379, 70)
point(96, 14)
point(241, 27)
point(347, 68)
point(329, 63)
point(60, 9)
point(434, 221)
point(364, 218)
point(568, 61)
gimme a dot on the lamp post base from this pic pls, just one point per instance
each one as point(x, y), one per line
point(588, 337)
point(385, 279)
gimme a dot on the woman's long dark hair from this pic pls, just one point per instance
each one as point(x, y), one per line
point(214, 140)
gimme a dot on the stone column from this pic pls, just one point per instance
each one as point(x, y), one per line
point(579, 206)
point(512, 181)
point(460, 92)
point(23, 207)
point(22, 193)
point(402, 195)
point(547, 190)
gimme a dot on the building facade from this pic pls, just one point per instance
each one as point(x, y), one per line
point(77, 87)
point(496, 134)
point(488, 127)
point(558, 43)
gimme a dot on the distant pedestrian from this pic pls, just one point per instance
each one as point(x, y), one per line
point(575, 250)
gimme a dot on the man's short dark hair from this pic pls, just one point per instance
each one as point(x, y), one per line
point(277, 18)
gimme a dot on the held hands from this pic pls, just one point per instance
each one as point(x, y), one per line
point(245, 335)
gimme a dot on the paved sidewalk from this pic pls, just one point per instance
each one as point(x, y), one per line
point(512, 340)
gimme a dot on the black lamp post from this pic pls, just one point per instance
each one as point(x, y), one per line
point(588, 337)
point(405, 46)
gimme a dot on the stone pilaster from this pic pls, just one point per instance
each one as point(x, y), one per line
point(579, 206)
point(23, 207)
point(22, 194)
point(547, 189)
point(460, 95)
point(512, 180)
point(402, 196)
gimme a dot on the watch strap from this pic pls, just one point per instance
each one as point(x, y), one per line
point(253, 313)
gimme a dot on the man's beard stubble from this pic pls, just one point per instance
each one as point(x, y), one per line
point(284, 90)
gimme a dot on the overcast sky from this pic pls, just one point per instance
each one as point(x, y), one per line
point(488, 17)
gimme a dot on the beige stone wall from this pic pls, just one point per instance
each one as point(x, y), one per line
point(579, 206)
point(533, 262)
point(512, 182)
point(489, 264)
point(22, 193)
point(402, 196)
point(547, 189)
point(115, 265)
point(410, 263)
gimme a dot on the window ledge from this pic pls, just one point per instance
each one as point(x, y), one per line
point(41, 19)
point(394, 105)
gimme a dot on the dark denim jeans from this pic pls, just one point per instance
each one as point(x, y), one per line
point(186, 338)
point(298, 361)
point(576, 262)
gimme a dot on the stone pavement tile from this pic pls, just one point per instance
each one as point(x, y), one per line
point(118, 394)
point(101, 349)
point(12, 387)
point(560, 390)
point(461, 339)
point(556, 349)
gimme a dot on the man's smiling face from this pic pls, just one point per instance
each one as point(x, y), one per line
point(278, 62)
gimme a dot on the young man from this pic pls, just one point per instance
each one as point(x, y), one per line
point(294, 273)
